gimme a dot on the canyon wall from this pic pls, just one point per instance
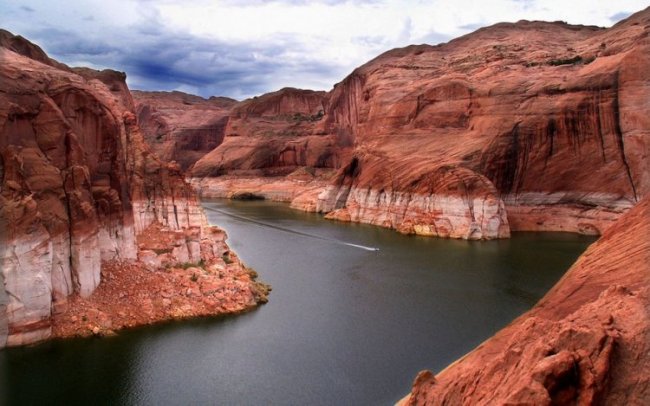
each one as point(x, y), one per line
point(77, 185)
point(586, 342)
point(181, 127)
point(517, 126)
point(273, 135)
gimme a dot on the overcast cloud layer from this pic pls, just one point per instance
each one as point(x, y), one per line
point(248, 47)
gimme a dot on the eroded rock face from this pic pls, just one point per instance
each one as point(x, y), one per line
point(550, 119)
point(181, 127)
point(77, 185)
point(504, 103)
point(586, 342)
point(443, 201)
point(273, 135)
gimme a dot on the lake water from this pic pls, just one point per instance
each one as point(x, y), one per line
point(344, 325)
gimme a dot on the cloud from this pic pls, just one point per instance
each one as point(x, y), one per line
point(252, 3)
point(527, 4)
point(69, 43)
point(432, 38)
point(159, 55)
point(241, 48)
point(620, 16)
point(471, 26)
point(162, 60)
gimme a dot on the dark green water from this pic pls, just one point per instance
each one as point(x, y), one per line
point(344, 326)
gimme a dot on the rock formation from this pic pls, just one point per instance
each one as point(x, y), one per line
point(274, 148)
point(517, 126)
point(181, 127)
point(270, 144)
point(273, 135)
point(586, 342)
point(77, 186)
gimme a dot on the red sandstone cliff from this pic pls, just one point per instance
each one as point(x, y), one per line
point(181, 127)
point(77, 186)
point(524, 126)
point(554, 116)
point(586, 342)
point(272, 135)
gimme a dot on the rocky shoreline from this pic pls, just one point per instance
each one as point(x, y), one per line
point(132, 295)
point(162, 286)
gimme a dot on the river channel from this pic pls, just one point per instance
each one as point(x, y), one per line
point(355, 312)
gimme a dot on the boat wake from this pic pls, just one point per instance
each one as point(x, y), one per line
point(288, 230)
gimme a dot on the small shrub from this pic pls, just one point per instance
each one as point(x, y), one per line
point(317, 116)
point(312, 117)
point(298, 117)
point(194, 277)
point(159, 251)
point(569, 61)
point(226, 258)
point(187, 265)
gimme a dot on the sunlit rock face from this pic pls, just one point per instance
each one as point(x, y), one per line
point(543, 124)
point(77, 184)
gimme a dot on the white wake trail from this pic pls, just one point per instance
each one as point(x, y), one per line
point(363, 247)
point(288, 230)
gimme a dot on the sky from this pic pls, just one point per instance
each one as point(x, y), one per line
point(245, 48)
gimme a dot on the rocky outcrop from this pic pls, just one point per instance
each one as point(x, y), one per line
point(181, 127)
point(77, 185)
point(273, 135)
point(586, 342)
point(180, 274)
point(545, 125)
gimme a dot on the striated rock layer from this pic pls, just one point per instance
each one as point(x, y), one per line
point(517, 126)
point(273, 135)
point(586, 342)
point(181, 127)
point(77, 185)
point(300, 188)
